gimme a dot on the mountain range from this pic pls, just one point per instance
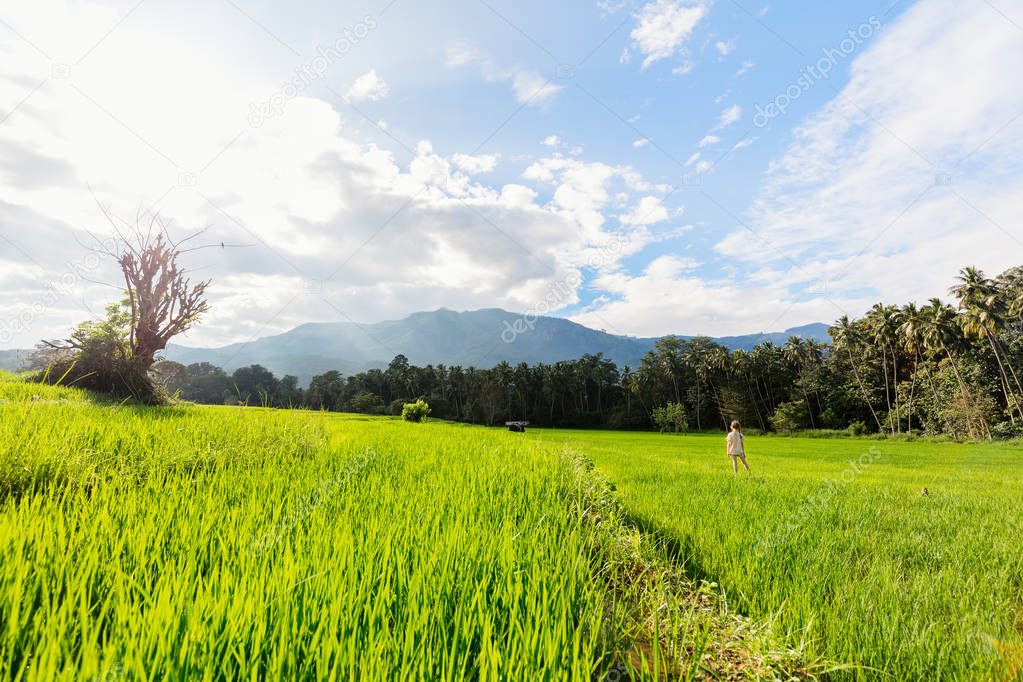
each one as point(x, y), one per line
point(481, 338)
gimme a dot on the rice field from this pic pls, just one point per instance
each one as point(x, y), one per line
point(222, 543)
point(227, 543)
point(904, 559)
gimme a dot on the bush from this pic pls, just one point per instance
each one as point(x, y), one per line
point(1006, 431)
point(415, 412)
point(396, 407)
point(857, 428)
point(790, 417)
point(368, 403)
point(97, 357)
point(671, 417)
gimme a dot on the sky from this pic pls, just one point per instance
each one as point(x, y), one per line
point(673, 166)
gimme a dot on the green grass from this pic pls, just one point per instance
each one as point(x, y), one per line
point(221, 543)
point(217, 543)
point(850, 558)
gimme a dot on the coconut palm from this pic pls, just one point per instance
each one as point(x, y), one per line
point(911, 333)
point(983, 316)
point(796, 356)
point(845, 335)
point(882, 323)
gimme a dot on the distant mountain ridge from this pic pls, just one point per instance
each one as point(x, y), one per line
point(480, 338)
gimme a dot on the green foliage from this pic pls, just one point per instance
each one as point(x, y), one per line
point(671, 417)
point(789, 417)
point(1006, 431)
point(415, 412)
point(858, 428)
point(98, 358)
point(368, 403)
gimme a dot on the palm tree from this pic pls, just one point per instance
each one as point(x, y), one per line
point(911, 332)
point(942, 334)
point(796, 358)
point(882, 322)
point(983, 316)
point(846, 335)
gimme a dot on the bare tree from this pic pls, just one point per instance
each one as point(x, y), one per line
point(116, 354)
point(163, 301)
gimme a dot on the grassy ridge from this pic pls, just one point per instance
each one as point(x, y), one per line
point(835, 542)
point(218, 543)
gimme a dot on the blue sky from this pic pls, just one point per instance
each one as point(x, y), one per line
point(624, 164)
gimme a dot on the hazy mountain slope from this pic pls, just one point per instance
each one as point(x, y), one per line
point(482, 338)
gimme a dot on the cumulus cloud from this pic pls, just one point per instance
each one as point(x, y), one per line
point(648, 211)
point(369, 86)
point(663, 26)
point(319, 225)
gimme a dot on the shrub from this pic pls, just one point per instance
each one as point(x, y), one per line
point(368, 403)
point(396, 407)
point(789, 417)
point(415, 412)
point(857, 428)
point(97, 357)
point(671, 417)
point(1006, 431)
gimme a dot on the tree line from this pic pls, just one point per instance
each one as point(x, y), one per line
point(940, 368)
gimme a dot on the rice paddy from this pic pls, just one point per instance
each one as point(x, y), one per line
point(221, 543)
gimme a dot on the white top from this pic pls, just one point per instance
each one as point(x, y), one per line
point(735, 443)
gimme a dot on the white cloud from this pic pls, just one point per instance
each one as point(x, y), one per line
point(625, 57)
point(663, 26)
point(729, 116)
point(708, 140)
point(743, 143)
point(862, 204)
point(693, 158)
point(528, 86)
point(671, 297)
point(532, 88)
point(648, 211)
point(583, 192)
point(746, 66)
point(551, 141)
point(641, 142)
point(474, 165)
point(298, 193)
point(683, 68)
point(369, 86)
point(725, 47)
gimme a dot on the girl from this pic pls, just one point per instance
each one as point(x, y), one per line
point(735, 448)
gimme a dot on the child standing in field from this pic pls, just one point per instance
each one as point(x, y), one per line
point(736, 447)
